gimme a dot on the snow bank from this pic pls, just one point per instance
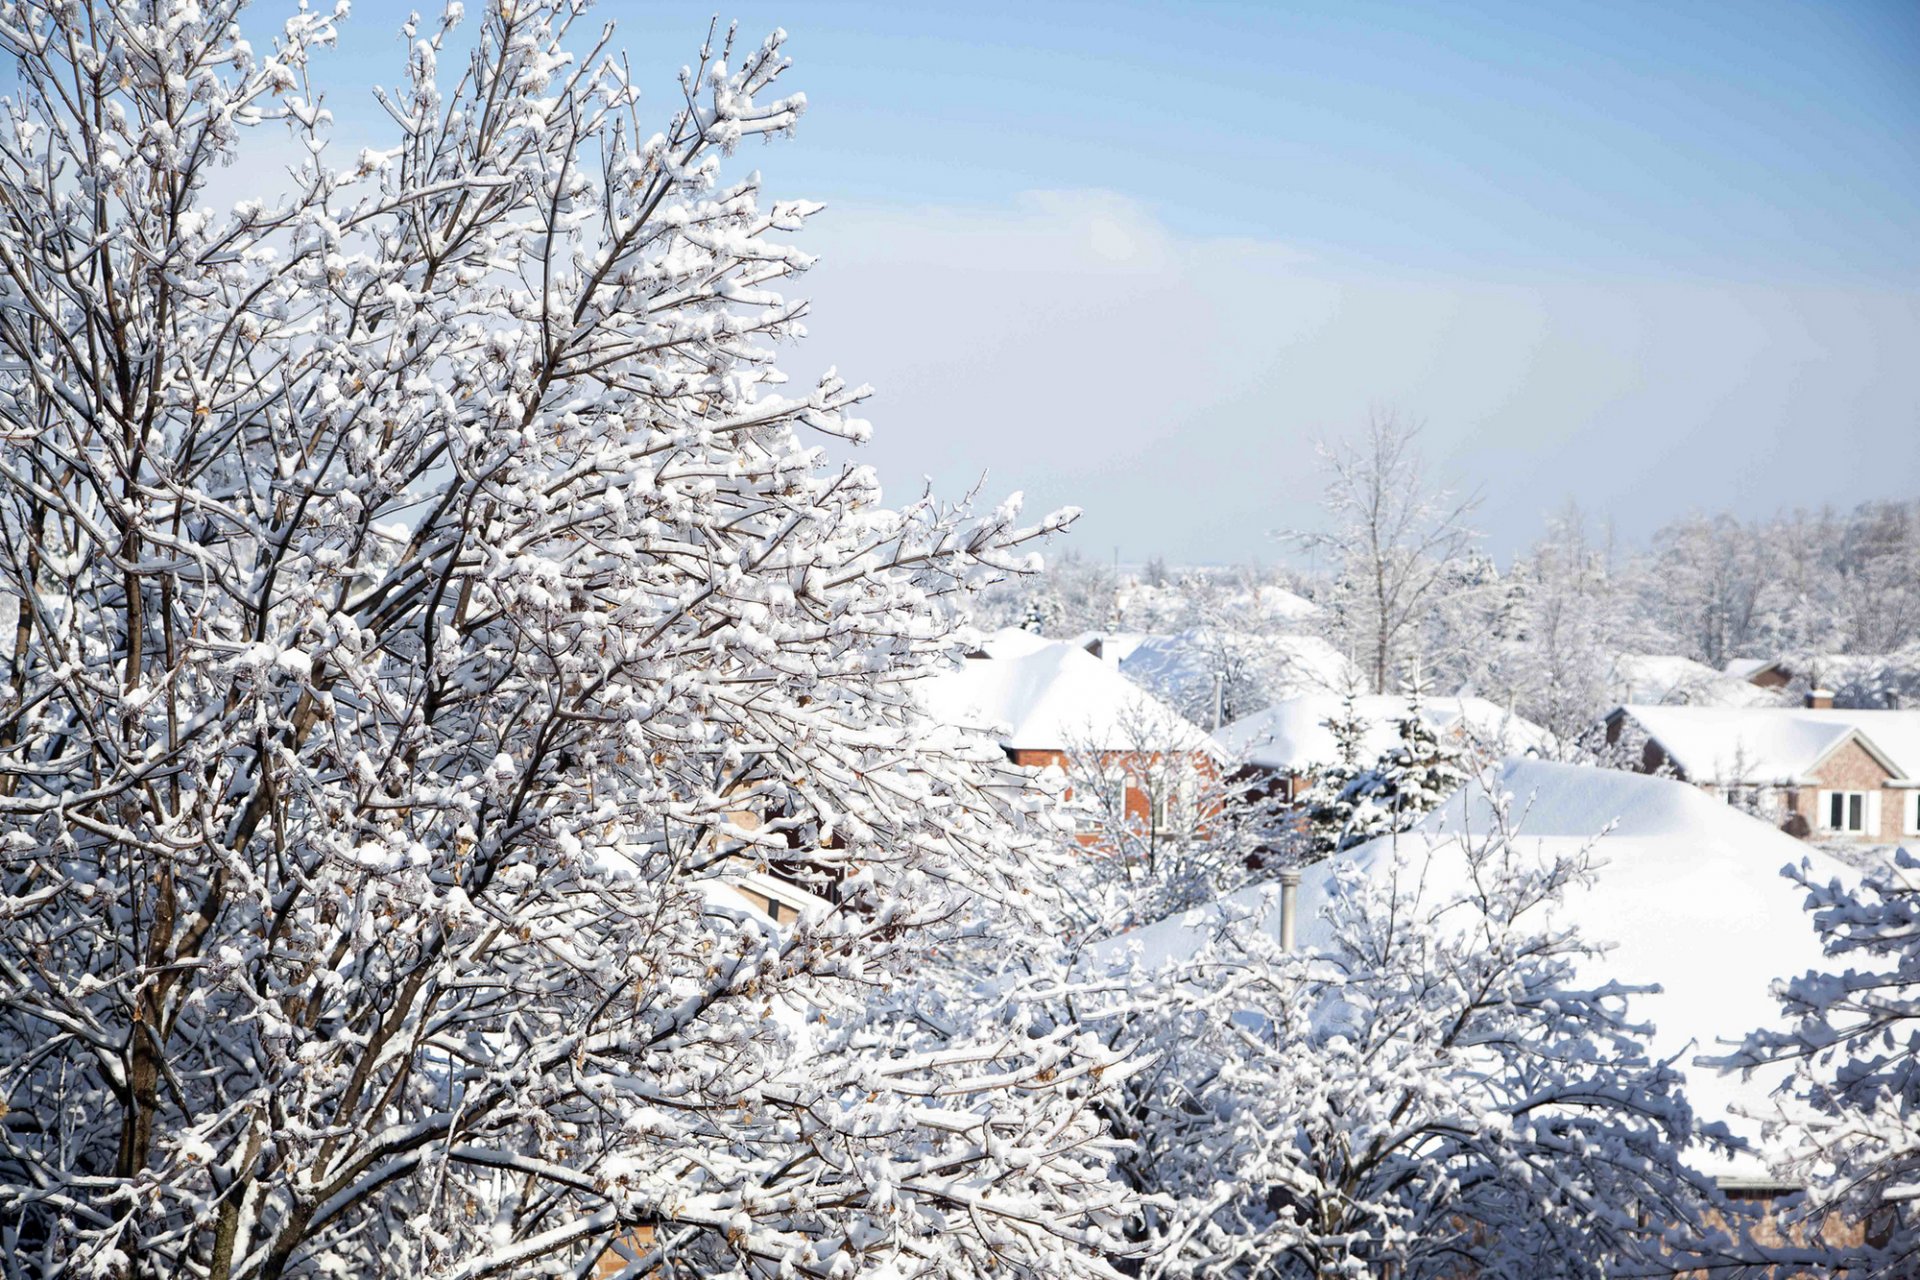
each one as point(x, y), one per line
point(1688, 895)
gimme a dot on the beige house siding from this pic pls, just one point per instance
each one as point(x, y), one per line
point(1852, 768)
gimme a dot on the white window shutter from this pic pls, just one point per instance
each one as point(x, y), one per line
point(1872, 829)
point(1823, 810)
point(1911, 802)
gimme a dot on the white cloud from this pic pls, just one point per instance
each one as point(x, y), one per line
point(1080, 349)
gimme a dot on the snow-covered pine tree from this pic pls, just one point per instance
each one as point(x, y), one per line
point(1419, 771)
point(1336, 812)
point(426, 597)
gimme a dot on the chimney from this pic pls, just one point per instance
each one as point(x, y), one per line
point(1097, 648)
point(1289, 904)
point(1820, 699)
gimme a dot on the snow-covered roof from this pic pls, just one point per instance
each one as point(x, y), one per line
point(1292, 734)
point(1673, 678)
point(1012, 642)
point(1747, 668)
point(1291, 664)
point(1276, 604)
point(1055, 697)
point(1753, 745)
point(1687, 890)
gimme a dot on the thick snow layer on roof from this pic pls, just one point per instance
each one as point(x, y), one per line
point(1276, 604)
point(1688, 892)
point(1772, 744)
point(1055, 698)
point(1292, 734)
point(1013, 642)
point(1895, 733)
point(1180, 663)
point(1672, 678)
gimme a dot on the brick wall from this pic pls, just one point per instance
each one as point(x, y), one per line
point(1852, 769)
point(1139, 763)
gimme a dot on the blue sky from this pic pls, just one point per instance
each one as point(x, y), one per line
point(1139, 258)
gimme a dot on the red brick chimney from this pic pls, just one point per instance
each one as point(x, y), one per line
point(1820, 699)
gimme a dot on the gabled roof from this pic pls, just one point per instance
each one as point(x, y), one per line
point(1748, 668)
point(1766, 745)
point(1292, 734)
point(1012, 642)
point(1057, 697)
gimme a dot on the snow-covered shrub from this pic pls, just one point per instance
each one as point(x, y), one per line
point(1428, 1088)
point(1851, 1122)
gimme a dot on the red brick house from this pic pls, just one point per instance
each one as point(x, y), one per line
point(1815, 771)
point(1053, 705)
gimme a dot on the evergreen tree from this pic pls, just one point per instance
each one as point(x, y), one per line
point(1420, 771)
point(1351, 803)
point(1340, 812)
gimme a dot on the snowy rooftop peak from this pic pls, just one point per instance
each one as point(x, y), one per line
point(1756, 745)
point(1054, 695)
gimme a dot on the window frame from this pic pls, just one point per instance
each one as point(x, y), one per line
point(1849, 808)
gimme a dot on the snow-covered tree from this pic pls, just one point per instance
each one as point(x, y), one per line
point(1851, 1127)
point(1337, 810)
point(1400, 548)
point(1570, 623)
point(430, 597)
point(1420, 770)
point(1162, 825)
point(1435, 1086)
point(1351, 802)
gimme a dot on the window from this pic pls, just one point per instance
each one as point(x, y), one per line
point(1172, 805)
point(1846, 811)
point(1105, 804)
point(1850, 812)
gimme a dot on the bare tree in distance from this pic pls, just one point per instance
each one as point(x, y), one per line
point(1394, 539)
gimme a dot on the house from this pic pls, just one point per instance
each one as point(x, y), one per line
point(1764, 673)
point(1813, 771)
point(1686, 894)
point(1291, 740)
point(1672, 679)
point(1878, 681)
point(1051, 704)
